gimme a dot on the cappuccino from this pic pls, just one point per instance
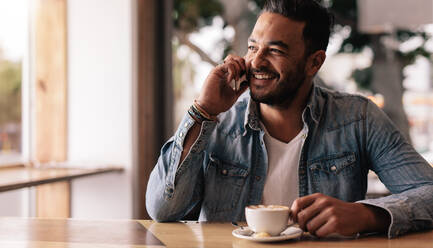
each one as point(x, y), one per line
point(268, 207)
point(271, 219)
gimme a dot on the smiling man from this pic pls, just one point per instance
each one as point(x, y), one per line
point(287, 141)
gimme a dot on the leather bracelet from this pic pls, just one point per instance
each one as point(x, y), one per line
point(196, 115)
point(203, 112)
point(195, 118)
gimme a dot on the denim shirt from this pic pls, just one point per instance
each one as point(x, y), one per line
point(348, 135)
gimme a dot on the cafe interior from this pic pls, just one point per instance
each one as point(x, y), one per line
point(91, 90)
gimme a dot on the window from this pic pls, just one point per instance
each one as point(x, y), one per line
point(202, 37)
point(13, 61)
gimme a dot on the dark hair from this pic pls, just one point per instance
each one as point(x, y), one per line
point(318, 20)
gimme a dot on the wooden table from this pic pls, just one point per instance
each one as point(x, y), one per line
point(56, 233)
point(20, 176)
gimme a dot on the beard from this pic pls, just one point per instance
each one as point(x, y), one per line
point(286, 89)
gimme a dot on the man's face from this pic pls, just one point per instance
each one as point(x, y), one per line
point(276, 59)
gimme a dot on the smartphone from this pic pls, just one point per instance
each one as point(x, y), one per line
point(236, 84)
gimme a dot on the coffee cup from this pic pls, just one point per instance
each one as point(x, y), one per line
point(271, 219)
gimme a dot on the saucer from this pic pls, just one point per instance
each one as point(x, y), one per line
point(290, 233)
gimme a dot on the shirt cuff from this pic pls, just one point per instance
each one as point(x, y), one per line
point(196, 149)
point(397, 225)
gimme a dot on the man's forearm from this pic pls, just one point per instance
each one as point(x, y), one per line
point(190, 138)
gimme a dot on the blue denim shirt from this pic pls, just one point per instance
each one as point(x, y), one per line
point(225, 169)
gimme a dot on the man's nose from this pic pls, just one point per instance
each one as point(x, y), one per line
point(259, 59)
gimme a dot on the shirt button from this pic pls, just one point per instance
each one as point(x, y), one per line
point(304, 136)
point(333, 168)
point(186, 125)
point(180, 134)
point(224, 172)
point(258, 178)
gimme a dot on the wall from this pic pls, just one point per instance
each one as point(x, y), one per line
point(100, 85)
point(14, 203)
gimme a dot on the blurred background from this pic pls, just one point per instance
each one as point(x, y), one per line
point(134, 67)
point(379, 49)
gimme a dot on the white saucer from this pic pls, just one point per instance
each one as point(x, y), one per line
point(289, 233)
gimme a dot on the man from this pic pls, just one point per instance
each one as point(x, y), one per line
point(289, 141)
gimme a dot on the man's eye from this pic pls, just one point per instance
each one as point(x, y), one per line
point(252, 48)
point(274, 50)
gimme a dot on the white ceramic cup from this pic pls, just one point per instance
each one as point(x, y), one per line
point(272, 219)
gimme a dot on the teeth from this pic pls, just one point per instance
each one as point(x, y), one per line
point(263, 76)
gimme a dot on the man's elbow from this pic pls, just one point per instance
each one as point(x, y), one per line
point(159, 213)
point(161, 216)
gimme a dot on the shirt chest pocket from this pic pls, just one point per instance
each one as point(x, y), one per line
point(223, 185)
point(334, 165)
point(336, 175)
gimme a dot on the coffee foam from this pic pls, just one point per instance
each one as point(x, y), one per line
point(268, 207)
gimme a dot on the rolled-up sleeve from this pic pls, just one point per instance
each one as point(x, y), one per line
point(174, 189)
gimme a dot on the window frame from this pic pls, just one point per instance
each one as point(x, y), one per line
point(24, 156)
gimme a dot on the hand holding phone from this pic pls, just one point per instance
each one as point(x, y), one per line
point(224, 84)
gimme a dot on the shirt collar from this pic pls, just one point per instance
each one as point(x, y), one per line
point(252, 118)
point(315, 103)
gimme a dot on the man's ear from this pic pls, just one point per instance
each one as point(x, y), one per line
point(314, 62)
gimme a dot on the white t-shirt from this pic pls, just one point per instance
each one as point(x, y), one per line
point(282, 182)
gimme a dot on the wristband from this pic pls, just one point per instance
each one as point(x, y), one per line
point(203, 112)
point(197, 120)
point(196, 115)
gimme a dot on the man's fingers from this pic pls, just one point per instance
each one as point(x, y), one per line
point(227, 72)
point(239, 60)
point(239, 64)
point(236, 65)
point(318, 221)
point(328, 228)
point(309, 213)
point(232, 72)
point(232, 69)
point(221, 70)
point(301, 203)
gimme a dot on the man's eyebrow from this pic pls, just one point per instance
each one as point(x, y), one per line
point(272, 42)
point(278, 43)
